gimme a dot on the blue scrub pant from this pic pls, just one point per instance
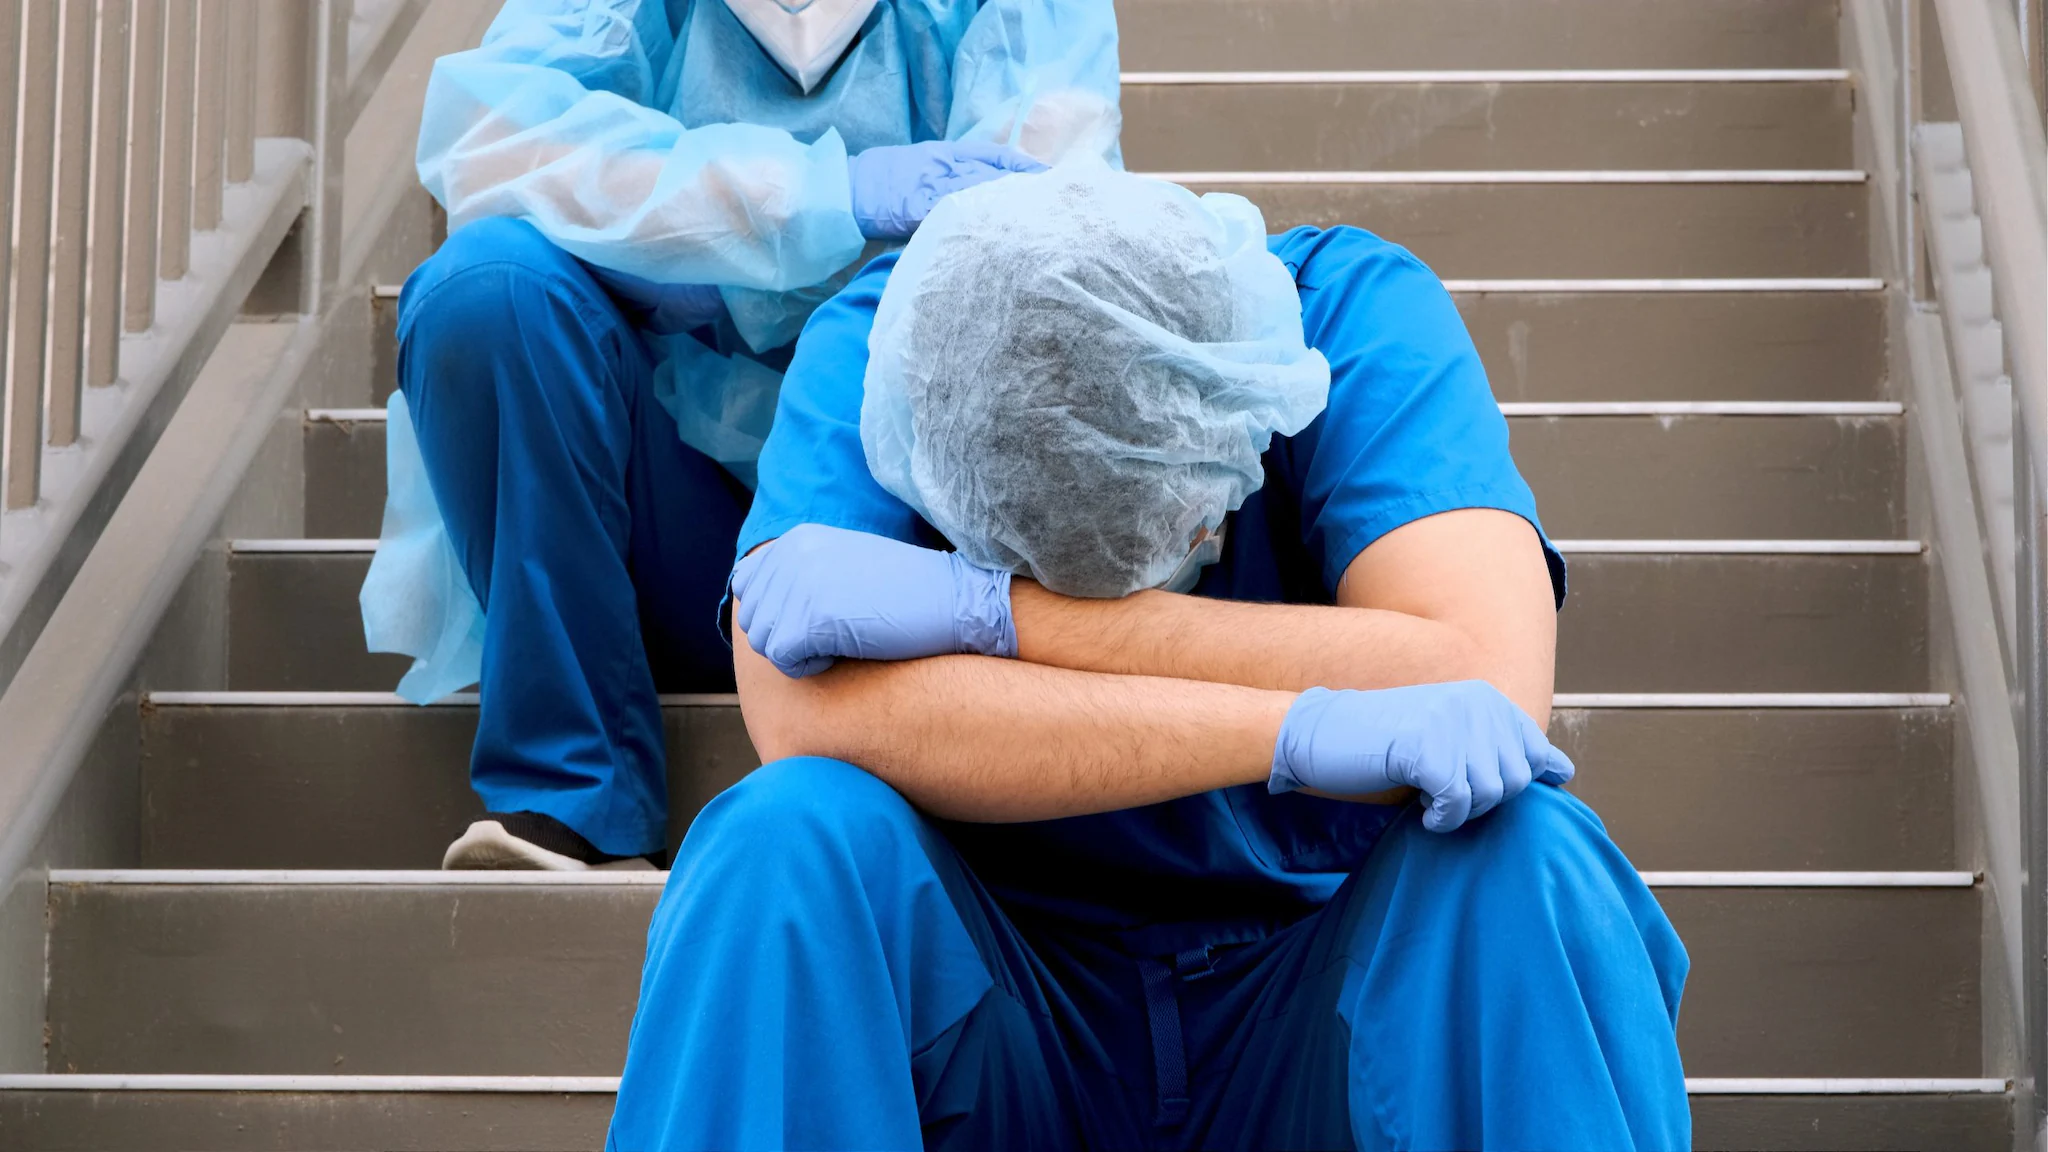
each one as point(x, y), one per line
point(825, 970)
point(597, 543)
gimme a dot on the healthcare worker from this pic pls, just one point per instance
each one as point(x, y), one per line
point(1061, 862)
point(646, 201)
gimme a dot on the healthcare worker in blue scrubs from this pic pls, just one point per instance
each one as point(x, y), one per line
point(646, 200)
point(1148, 636)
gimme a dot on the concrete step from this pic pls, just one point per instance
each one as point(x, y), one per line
point(1669, 621)
point(245, 780)
point(1566, 343)
point(1320, 34)
point(415, 1116)
point(409, 973)
point(1477, 228)
point(1368, 122)
point(1686, 477)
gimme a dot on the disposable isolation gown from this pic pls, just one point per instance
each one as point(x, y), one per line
point(659, 144)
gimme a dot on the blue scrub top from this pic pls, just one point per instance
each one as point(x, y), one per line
point(1411, 430)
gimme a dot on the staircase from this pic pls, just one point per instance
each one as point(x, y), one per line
point(1651, 218)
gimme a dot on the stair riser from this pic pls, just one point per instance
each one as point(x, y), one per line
point(518, 981)
point(1288, 35)
point(1612, 345)
point(1615, 230)
point(433, 1122)
point(305, 787)
point(1634, 624)
point(1425, 127)
point(1811, 477)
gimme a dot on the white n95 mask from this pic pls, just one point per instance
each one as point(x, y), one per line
point(805, 37)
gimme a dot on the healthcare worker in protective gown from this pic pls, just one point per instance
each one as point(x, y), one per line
point(1116, 577)
point(646, 200)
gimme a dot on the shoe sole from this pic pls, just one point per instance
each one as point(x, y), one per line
point(487, 846)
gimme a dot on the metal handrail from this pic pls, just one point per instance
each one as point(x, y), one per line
point(2002, 129)
point(166, 150)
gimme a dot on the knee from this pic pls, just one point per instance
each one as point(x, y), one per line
point(798, 825)
point(1541, 849)
point(484, 284)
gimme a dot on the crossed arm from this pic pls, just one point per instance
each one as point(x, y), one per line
point(1116, 703)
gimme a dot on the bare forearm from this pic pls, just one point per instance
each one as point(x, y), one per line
point(1458, 596)
point(978, 738)
point(1284, 647)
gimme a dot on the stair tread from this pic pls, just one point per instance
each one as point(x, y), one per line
point(438, 978)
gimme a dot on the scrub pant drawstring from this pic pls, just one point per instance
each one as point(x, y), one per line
point(1162, 1013)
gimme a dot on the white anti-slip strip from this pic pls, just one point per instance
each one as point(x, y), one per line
point(1510, 408)
point(1740, 547)
point(1715, 700)
point(1507, 76)
point(1589, 547)
point(553, 1085)
point(1750, 700)
point(378, 700)
point(1527, 176)
point(1566, 286)
point(1516, 408)
point(346, 415)
point(1755, 284)
point(434, 878)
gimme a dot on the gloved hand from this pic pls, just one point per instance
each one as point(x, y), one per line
point(896, 185)
point(818, 593)
point(1464, 745)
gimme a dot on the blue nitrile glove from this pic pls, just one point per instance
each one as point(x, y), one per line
point(1464, 745)
point(896, 185)
point(819, 593)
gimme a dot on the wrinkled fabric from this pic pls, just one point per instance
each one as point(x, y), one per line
point(829, 968)
point(416, 601)
point(583, 539)
point(1073, 374)
point(662, 140)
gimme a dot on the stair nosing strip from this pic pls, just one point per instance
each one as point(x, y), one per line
point(1747, 701)
point(435, 878)
point(1763, 408)
point(1734, 284)
point(1597, 284)
point(1618, 547)
point(1182, 78)
point(1590, 177)
point(1509, 408)
point(259, 699)
point(581, 1085)
point(1741, 701)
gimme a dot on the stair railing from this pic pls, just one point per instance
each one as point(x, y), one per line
point(1954, 136)
point(175, 200)
point(165, 165)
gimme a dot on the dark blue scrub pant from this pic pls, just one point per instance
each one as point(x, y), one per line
point(597, 543)
point(826, 970)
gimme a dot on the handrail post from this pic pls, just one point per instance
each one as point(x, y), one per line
point(302, 74)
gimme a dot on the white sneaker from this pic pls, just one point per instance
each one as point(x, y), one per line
point(529, 841)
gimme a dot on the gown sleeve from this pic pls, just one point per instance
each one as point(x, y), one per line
point(1041, 76)
point(548, 120)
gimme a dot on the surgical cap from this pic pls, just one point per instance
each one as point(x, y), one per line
point(1072, 374)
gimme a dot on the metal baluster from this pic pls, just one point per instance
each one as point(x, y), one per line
point(32, 252)
point(241, 126)
point(174, 225)
point(145, 143)
point(10, 89)
point(109, 166)
point(67, 243)
point(209, 133)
